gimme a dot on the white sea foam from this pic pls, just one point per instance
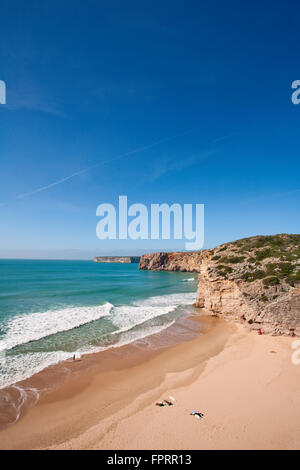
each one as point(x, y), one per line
point(129, 316)
point(187, 298)
point(34, 326)
point(144, 333)
point(23, 366)
point(24, 394)
point(128, 337)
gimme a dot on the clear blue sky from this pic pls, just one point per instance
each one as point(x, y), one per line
point(89, 81)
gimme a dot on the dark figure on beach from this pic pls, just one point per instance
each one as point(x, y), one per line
point(169, 403)
point(164, 403)
point(197, 414)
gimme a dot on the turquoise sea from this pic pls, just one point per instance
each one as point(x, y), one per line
point(50, 310)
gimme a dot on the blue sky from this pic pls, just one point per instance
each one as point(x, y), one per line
point(203, 88)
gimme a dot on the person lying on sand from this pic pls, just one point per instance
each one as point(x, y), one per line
point(197, 414)
point(165, 402)
point(169, 403)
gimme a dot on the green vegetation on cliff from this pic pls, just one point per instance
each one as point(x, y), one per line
point(255, 281)
point(270, 258)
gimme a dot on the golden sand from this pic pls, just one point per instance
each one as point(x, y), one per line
point(245, 384)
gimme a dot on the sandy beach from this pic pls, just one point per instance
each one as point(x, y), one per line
point(245, 384)
point(150, 229)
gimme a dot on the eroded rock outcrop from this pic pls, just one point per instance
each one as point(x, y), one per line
point(255, 280)
point(176, 261)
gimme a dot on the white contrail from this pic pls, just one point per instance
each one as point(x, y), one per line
point(132, 152)
point(43, 188)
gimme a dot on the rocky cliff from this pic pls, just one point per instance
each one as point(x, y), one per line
point(255, 280)
point(176, 261)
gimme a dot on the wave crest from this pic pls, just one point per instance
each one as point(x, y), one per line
point(38, 325)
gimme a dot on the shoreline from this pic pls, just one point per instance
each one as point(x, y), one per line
point(130, 364)
point(245, 384)
point(45, 383)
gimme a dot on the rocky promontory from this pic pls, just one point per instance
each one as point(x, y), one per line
point(176, 261)
point(255, 281)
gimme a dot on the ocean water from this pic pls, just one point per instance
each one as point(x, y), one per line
point(50, 310)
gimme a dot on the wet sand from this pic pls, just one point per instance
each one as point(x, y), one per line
point(245, 384)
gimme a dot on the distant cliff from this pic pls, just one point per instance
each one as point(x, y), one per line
point(117, 259)
point(176, 261)
point(255, 281)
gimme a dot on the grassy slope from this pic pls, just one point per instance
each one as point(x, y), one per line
point(271, 258)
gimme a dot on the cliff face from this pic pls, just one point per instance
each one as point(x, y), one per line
point(177, 261)
point(255, 281)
